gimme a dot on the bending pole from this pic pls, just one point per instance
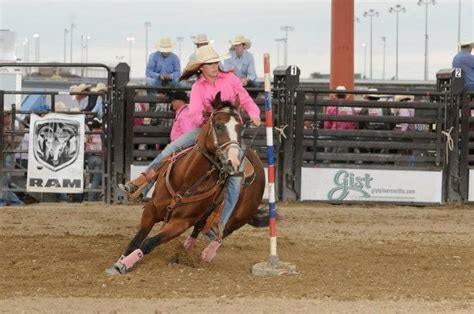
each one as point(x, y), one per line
point(274, 266)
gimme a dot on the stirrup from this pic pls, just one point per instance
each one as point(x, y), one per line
point(134, 193)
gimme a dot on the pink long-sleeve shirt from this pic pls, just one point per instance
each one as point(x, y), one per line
point(203, 93)
point(340, 125)
point(182, 123)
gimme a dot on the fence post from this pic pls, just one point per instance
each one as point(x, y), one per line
point(286, 80)
point(2, 138)
point(299, 138)
point(451, 83)
point(464, 149)
point(121, 79)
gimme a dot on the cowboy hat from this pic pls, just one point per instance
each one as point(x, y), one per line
point(179, 95)
point(60, 107)
point(204, 55)
point(165, 45)
point(341, 88)
point(201, 39)
point(403, 98)
point(240, 39)
point(79, 88)
point(372, 95)
point(466, 43)
point(100, 87)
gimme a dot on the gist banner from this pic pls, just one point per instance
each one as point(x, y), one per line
point(56, 154)
point(368, 185)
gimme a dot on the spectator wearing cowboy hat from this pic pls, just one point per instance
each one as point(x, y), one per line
point(241, 62)
point(80, 101)
point(465, 60)
point(182, 121)
point(163, 68)
point(200, 40)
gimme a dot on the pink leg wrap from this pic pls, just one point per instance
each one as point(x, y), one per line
point(132, 258)
point(210, 251)
point(190, 243)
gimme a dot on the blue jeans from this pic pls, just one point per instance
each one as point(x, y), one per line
point(95, 163)
point(8, 197)
point(233, 192)
point(157, 82)
point(182, 142)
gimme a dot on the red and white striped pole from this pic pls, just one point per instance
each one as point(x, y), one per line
point(270, 159)
point(274, 266)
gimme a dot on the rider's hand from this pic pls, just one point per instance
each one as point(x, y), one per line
point(256, 121)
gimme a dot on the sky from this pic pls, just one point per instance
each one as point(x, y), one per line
point(109, 23)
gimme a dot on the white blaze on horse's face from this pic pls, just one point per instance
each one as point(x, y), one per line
point(233, 152)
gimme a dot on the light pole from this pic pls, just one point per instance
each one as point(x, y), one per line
point(278, 41)
point(179, 39)
point(130, 40)
point(37, 47)
point(365, 60)
point(371, 13)
point(397, 9)
point(26, 53)
point(147, 26)
point(459, 24)
point(65, 38)
point(384, 39)
point(70, 51)
point(426, 3)
point(286, 29)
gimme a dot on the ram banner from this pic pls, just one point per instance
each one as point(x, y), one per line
point(56, 153)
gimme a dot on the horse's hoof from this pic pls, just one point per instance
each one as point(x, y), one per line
point(189, 243)
point(116, 269)
point(210, 251)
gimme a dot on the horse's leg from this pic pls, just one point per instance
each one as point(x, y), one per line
point(146, 224)
point(169, 231)
point(132, 254)
point(190, 242)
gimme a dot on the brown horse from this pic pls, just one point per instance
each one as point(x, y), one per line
point(189, 187)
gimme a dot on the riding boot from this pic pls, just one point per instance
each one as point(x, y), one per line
point(134, 187)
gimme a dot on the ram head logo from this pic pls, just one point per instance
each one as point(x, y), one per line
point(56, 143)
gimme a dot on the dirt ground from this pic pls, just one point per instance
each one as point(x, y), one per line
point(349, 258)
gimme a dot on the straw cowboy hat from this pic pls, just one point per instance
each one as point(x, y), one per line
point(201, 39)
point(466, 43)
point(165, 45)
point(341, 88)
point(100, 87)
point(204, 55)
point(240, 39)
point(403, 98)
point(60, 107)
point(79, 88)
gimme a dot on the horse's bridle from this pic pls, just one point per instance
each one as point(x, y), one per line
point(222, 149)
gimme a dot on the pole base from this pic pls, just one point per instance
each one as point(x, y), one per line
point(277, 268)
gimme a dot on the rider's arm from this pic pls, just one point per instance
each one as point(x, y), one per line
point(196, 105)
point(245, 100)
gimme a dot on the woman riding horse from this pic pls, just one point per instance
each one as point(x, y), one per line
point(211, 81)
point(191, 188)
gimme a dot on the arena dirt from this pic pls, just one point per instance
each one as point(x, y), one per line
point(349, 258)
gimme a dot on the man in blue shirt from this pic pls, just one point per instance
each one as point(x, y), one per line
point(465, 60)
point(163, 68)
point(241, 61)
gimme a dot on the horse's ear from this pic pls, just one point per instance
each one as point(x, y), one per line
point(237, 102)
point(217, 103)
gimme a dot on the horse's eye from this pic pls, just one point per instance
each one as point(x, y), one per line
point(219, 127)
